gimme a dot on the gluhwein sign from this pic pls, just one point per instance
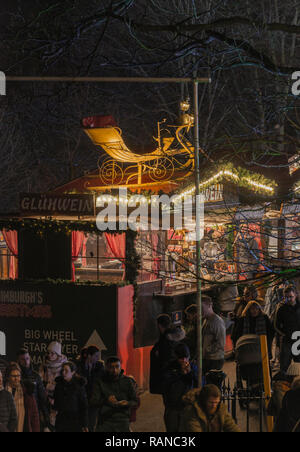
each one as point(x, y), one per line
point(47, 204)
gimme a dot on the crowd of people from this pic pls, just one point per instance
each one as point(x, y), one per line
point(66, 396)
point(174, 372)
point(88, 395)
point(277, 317)
point(174, 362)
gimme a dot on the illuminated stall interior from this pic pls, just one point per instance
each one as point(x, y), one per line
point(5, 258)
point(168, 255)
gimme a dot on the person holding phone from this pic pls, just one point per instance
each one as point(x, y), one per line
point(115, 396)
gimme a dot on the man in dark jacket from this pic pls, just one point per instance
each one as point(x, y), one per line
point(163, 351)
point(39, 393)
point(8, 413)
point(91, 369)
point(286, 322)
point(114, 395)
point(179, 377)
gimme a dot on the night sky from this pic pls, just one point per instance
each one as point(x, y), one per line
point(248, 114)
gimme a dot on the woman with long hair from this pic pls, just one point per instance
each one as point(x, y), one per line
point(25, 403)
point(70, 401)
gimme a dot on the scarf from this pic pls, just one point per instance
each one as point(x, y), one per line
point(52, 371)
point(20, 407)
point(260, 326)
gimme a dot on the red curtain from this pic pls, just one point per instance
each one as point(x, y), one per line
point(117, 247)
point(11, 238)
point(77, 242)
point(83, 254)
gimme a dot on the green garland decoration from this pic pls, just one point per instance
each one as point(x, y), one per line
point(60, 282)
point(241, 179)
point(42, 226)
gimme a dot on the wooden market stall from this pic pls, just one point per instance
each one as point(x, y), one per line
point(55, 236)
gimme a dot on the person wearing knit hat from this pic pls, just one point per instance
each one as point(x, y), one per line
point(254, 321)
point(51, 370)
point(54, 348)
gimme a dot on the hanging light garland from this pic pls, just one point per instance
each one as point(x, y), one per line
point(41, 226)
point(239, 176)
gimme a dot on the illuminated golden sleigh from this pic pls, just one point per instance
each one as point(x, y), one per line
point(160, 165)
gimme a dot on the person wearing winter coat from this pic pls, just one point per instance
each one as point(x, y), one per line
point(250, 293)
point(40, 395)
point(289, 416)
point(204, 412)
point(52, 367)
point(213, 337)
point(180, 376)
point(70, 401)
point(274, 296)
point(27, 411)
point(286, 322)
point(254, 321)
point(50, 371)
point(115, 396)
point(90, 368)
point(163, 351)
point(282, 383)
point(8, 413)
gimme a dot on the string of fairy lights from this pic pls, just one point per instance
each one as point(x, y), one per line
point(106, 198)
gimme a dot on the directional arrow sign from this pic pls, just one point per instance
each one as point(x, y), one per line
point(95, 339)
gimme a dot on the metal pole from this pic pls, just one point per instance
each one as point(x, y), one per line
point(198, 249)
point(97, 260)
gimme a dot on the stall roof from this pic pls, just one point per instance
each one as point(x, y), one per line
point(91, 182)
point(250, 181)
